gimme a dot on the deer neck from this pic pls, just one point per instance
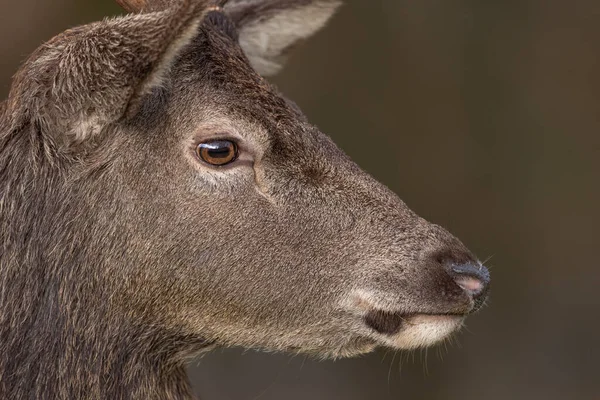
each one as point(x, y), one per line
point(77, 362)
point(59, 337)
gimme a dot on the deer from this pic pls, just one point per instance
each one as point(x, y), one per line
point(160, 198)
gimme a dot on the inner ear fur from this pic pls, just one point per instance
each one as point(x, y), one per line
point(269, 28)
point(94, 75)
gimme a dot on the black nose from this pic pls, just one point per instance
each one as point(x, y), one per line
point(473, 278)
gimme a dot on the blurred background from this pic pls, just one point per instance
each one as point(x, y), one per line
point(484, 116)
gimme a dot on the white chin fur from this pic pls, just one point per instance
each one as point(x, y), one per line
point(424, 330)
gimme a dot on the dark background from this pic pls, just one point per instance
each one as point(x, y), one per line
point(484, 116)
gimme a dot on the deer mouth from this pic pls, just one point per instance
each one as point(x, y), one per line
point(384, 322)
point(389, 323)
point(403, 329)
point(412, 330)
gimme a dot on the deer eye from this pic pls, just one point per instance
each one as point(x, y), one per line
point(217, 152)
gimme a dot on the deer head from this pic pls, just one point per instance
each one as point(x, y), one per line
point(159, 195)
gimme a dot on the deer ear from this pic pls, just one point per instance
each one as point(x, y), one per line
point(269, 28)
point(96, 74)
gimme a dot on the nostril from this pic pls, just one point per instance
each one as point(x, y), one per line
point(472, 285)
point(472, 278)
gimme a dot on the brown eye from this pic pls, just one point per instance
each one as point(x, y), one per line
point(217, 152)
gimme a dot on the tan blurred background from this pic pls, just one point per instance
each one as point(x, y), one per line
point(484, 116)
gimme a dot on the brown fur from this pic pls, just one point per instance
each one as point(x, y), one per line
point(122, 256)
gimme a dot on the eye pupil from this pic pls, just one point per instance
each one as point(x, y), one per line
point(217, 152)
